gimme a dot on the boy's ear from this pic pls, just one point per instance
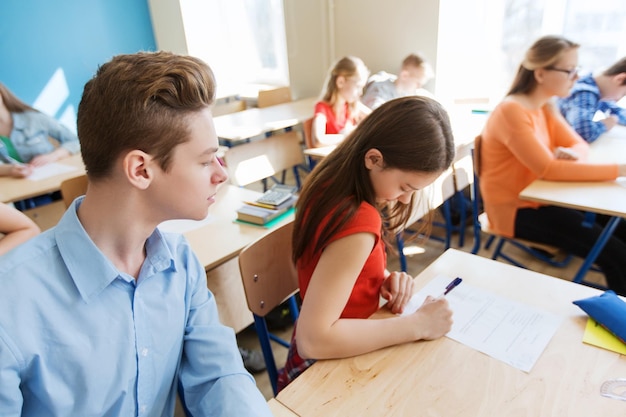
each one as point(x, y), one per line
point(138, 168)
point(621, 78)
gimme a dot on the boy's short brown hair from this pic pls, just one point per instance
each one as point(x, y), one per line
point(140, 101)
point(617, 68)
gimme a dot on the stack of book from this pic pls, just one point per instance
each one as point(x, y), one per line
point(271, 205)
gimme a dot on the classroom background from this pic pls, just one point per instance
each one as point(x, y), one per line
point(50, 50)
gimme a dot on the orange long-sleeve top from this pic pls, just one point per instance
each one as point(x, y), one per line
point(517, 147)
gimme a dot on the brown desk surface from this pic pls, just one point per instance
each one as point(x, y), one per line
point(446, 378)
point(223, 238)
point(243, 125)
point(15, 189)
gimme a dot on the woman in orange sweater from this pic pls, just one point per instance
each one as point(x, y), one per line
point(524, 139)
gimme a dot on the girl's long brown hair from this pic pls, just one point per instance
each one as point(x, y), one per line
point(412, 133)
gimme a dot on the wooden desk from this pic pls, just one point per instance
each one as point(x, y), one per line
point(319, 153)
point(15, 189)
point(279, 410)
point(238, 127)
point(445, 378)
point(606, 197)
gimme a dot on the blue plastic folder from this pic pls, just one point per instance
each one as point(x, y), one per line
point(608, 310)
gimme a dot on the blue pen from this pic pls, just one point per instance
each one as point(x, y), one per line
point(455, 282)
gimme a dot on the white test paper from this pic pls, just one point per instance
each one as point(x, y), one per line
point(512, 332)
point(50, 170)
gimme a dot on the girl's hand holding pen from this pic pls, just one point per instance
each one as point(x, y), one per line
point(435, 318)
point(397, 289)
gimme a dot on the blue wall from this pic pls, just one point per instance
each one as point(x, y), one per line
point(69, 38)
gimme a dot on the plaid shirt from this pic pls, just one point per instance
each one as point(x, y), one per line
point(580, 107)
point(294, 365)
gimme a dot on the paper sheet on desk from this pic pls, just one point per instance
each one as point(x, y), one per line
point(49, 170)
point(182, 226)
point(504, 329)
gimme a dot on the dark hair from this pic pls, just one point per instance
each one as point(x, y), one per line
point(412, 133)
point(617, 68)
point(11, 102)
point(141, 101)
point(545, 52)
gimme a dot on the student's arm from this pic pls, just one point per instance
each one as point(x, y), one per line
point(16, 227)
point(616, 111)
point(67, 139)
point(318, 132)
point(362, 112)
point(322, 334)
point(68, 142)
point(57, 154)
point(212, 375)
point(579, 113)
point(15, 170)
point(520, 134)
point(11, 399)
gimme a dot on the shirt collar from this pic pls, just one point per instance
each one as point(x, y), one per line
point(90, 270)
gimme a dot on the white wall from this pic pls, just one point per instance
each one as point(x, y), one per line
point(381, 32)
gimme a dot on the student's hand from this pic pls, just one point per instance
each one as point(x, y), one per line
point(435, 318)
point(565, 153)
point(47, 158)
point(397, 289)
point(21, 170)
point(610, 122)
point(621, 170)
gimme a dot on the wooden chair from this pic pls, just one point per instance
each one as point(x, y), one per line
point(274, 96)
point(72, 188)
point(264, 158)
point(545, 253)
point(269, 278)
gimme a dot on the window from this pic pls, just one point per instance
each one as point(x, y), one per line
point(482, 42)
point(242, 40)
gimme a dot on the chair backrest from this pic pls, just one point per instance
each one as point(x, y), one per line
point(274, 96)
point(307, 131)
point(254, 161)
point(232, 106)
point(268, 274)
point(549, 254)
point(72, 188)
point(269, 278)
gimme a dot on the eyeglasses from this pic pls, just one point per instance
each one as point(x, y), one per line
point(571, 74)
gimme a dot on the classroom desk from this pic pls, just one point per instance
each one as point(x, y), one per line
point(238, 127)
point(446, 378)
point(15, 189)
point(279, 410)
point(601, 197)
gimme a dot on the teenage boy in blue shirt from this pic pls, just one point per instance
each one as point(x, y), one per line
point(593, 93)
point(105, 315)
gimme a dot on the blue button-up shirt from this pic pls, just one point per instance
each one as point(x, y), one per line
point(80, 338)
point(31, 130)
point(580, 107)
